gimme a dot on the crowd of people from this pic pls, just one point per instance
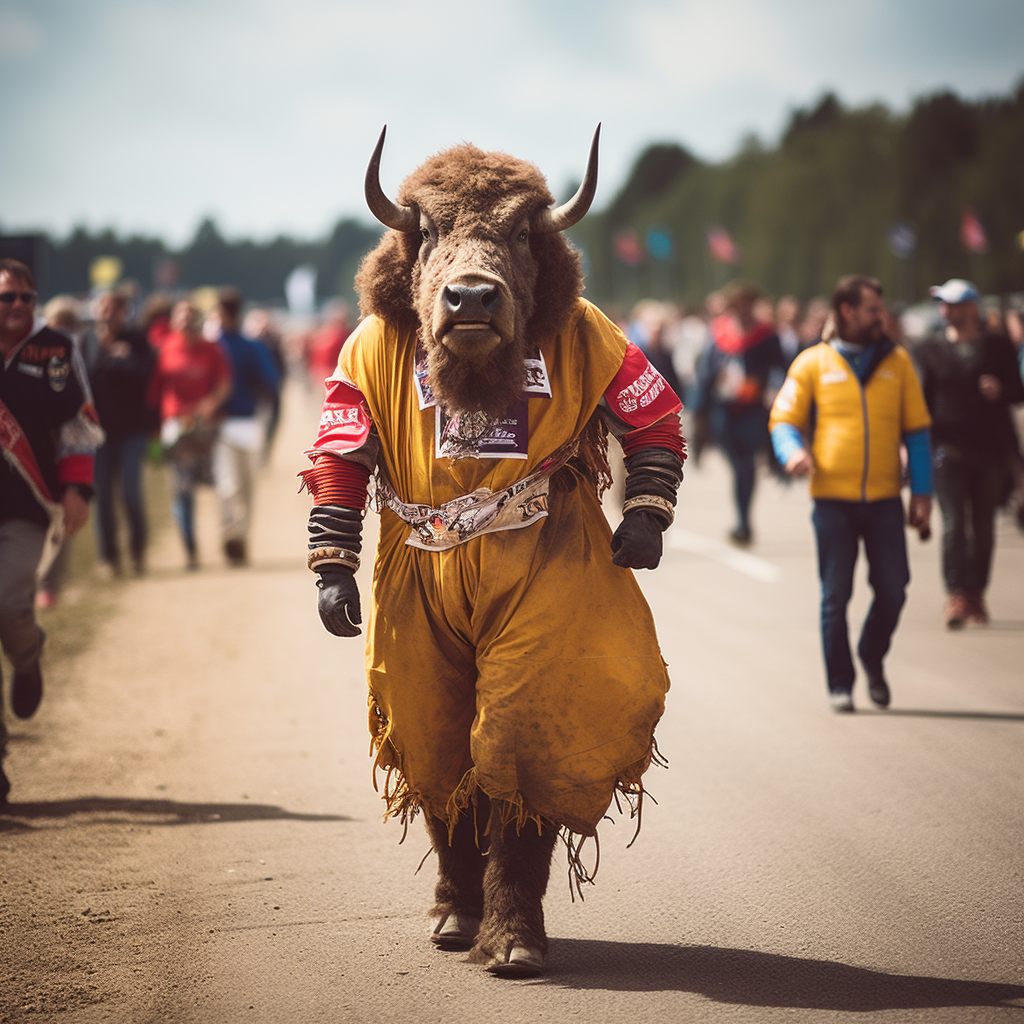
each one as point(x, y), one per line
point(839, 391)
point(93, 387)
point(830, 389)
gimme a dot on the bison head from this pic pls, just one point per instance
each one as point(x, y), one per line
point(476, 260)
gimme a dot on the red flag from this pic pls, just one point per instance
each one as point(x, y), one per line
point(972, 234)
point(721, 246)
point(628, 248)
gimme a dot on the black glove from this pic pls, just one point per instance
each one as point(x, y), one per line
point(338, 600)
point(636, 544)
point(333, 527)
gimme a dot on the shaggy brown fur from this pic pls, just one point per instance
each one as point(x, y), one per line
point(518, 868)
point(474, 205)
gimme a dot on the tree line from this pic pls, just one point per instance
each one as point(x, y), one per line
point(912, 199)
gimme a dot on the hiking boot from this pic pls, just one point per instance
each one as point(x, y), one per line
point(27, 691)
point(957, 611)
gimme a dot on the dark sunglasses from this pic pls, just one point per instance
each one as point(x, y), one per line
point(9, 298)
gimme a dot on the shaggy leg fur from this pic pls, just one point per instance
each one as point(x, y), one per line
point(460, 880)
point(518, 867)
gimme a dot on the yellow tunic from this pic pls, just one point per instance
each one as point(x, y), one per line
point(523, 662)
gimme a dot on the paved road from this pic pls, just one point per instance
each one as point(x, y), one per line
point(194, 836)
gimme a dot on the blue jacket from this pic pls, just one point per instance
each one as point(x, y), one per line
point(253, 374)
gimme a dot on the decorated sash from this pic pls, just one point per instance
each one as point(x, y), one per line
point(479, 512)
point(18, 453)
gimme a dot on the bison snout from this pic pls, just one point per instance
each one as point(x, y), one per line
point(471, 302)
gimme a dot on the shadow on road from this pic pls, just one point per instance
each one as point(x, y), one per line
point(751, 978)
point(990, 716)
point(98, 810)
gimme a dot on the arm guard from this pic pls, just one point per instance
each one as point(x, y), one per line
point(335, 540)
point(653, 476)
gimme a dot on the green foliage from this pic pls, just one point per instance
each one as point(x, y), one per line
point(258, 268)
point(817, 205)
point(821, 204)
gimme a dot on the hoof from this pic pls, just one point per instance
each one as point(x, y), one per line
point(522, 962)
point(455, 932)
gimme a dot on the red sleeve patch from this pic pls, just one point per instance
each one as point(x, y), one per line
point(638, 394)
point(344, 420)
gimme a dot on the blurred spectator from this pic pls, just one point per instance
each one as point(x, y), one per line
point(326, 344)
point(120, 362)
point(49, 434)
point(970, 378)
point(787, 310)
point(734, 372)
point(811, 326)
point(259, 325)
point(191, 383)
point(691, 335)
point(241, 436)
point(61, 314)
point(156, 318)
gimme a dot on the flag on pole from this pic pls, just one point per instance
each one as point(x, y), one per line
point(628, 248)
point(972, 234)
point(721, 246)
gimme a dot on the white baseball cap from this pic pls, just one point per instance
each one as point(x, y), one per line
point(954, 291)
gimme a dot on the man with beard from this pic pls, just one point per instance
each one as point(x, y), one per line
point(857, 397)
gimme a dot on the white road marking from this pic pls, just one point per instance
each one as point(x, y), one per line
point(718, 551)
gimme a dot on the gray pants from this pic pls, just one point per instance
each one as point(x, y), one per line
point(234, 475)
point(21, 545)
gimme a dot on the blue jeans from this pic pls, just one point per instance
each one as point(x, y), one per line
point(120, 457)
point(839, 527)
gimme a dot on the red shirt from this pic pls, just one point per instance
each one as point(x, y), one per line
point(186, 372)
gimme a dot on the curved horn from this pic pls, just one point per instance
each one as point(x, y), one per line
point(401, 218)
point(549, 220)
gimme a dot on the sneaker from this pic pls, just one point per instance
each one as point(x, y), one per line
point(957, 611)
point(840, 701)
point(741, 537)
point(878, 688)
point(977, 612)
point(27, 691)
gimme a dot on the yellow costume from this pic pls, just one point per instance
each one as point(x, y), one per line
point(521, 661)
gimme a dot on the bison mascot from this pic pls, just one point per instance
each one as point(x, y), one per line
point(514, 672)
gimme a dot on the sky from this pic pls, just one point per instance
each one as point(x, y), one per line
point(147, 116)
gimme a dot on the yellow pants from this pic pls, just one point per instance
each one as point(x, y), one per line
point(523, 662)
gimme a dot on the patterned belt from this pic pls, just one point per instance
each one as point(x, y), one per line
point(479, 512)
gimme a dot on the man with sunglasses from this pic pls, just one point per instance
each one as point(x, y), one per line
point(48, 440)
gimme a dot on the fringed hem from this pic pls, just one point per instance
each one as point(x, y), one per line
point(629, 788)
point(404, 803)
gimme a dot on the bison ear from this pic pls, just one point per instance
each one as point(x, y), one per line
point(548, 220)
point(384, 279)
point(389, 213)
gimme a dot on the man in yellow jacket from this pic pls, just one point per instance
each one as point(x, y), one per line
point(847, 405)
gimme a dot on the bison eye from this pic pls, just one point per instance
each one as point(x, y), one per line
point(425, 234)
point(523, 235)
